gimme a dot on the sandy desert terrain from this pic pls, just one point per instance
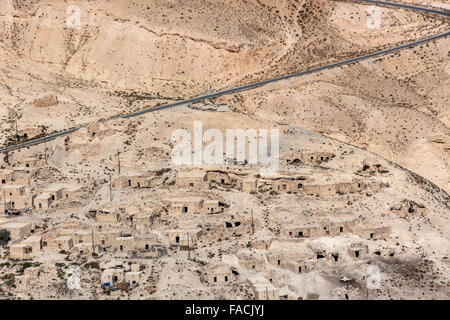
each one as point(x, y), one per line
point(361, 194)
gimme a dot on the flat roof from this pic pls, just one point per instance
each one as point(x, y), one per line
point(15, 225)
point(64, 238)
point(12, 186)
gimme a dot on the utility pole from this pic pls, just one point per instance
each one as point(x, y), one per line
point(45, 151)
point(17, 135)
point(189, 248)
point(118, 159)
point(7, 157)
point(110, 188)
point(4, 200)
point(253, 224)
point(93, 245)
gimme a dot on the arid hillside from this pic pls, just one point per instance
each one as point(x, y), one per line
point(315, 228)
point(396, 106)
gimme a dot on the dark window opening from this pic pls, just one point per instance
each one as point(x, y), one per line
point(215, 279)
point(235, 272)
point(391, 254)
point(53, 197)
point(147, 247)
point(299, 269)
point(237, 224)
point(177, 239)
point(27, 165)
point(320, 256)
point(335, 257)
point(226, 278)
point(279, 262)
point(378, 253)
point(3, 181)
point(129, 183)
point(121, 248)
point(300, 234)
point(191, 185)
point(222, 181)
point(228, 224)
point(357, 253)
point(185, 209)
point(300, 185)
point(371, 236)
point(341, 229)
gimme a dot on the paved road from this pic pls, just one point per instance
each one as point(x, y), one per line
point(265, 82)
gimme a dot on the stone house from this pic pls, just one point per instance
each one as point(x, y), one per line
point(143, 242)
point(374, 233)
point(125, 244)
point(316, 157)
point(61, 243)
point(219, 178)
point(185, 239)
point(112, 276)
point(262, 288)
point(219, 273)
point(192, 180)
point(20, 251)
point(83, 248)
point(212, 206)
point(304, 265)
point(106, 217)
point(186, 206)
point(357, 251)
point(17, 230)
point(70, 192)
point(6, 177)
point(55, 192)
point(43, 201)
point(249, 185)
point(14, 197)
point(105, 240)
point(134, 278)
